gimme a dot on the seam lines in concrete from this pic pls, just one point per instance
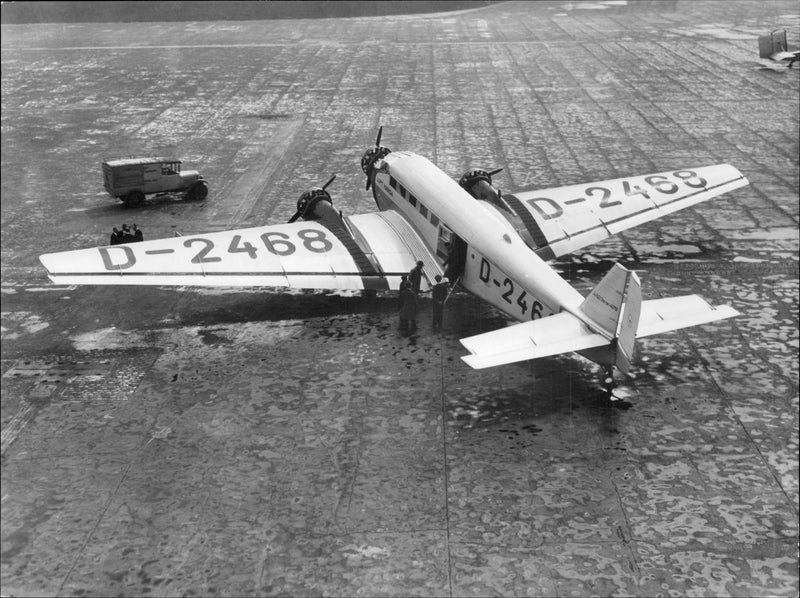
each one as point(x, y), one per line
point(446, 470)
point(89, 536)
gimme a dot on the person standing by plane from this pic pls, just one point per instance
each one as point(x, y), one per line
point(439, 292)
point(404, 284)
point(446, 264)
point(116, 237)
point(415, 276)
point(137, 234)
point(408, 311)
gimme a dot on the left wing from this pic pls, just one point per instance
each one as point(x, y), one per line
point(564, 219)
point(369, 251)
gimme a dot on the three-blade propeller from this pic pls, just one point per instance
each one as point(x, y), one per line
point(373, 153)
point(302, 204)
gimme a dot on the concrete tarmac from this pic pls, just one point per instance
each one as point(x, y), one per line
point(188, 442)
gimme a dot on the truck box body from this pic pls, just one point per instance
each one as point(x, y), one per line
point(149, 175)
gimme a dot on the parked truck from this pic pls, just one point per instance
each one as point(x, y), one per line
point(132, 179)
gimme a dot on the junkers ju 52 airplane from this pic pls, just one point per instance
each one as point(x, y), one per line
point(495, 245)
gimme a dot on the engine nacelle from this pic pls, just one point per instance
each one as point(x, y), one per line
point(315, 204)
point(478, 183)
point(371, 156)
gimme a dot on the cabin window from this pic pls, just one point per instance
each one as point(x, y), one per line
point(423, 210)
point(412, 200)
point(434, 219)
point(401, 189)
point(392, 182)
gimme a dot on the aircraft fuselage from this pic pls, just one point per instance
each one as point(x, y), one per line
point(439, 210)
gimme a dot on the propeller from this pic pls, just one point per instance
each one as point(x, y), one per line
point(295, 217)
point(377, 145)
point(303, 202)
point(333, 178)
point(371, 155)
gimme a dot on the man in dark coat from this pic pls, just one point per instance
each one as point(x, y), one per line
point(404, 284)
point(408, 311)
point(439, 292)
point(137, 234)
point(415, 276)
point(116, 237)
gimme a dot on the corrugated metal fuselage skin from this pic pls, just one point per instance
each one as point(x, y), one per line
point(500, 268)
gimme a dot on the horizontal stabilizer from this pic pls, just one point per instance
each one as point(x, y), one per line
point(559, 333)
point(673, 313)
point(565, 333)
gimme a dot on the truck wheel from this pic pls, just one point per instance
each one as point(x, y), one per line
point(197, 192)
point(134, 199)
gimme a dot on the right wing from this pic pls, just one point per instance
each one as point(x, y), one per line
point(563, 219)
point(370, 251)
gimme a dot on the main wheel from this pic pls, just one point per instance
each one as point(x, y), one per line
point(134, 199)
point(197, 192)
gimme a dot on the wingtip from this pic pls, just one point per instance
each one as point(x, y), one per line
point(473, 362)
point(43, 260)
point(726, 311)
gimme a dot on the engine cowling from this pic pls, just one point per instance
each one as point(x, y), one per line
point(478, 183)
point(315, 204)
point(371, 156)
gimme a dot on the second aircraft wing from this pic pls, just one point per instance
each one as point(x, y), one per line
point(564, 219)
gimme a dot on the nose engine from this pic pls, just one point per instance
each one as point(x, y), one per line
point(371, 156)
point(315, 204)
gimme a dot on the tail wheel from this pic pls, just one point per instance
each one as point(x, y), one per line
point(133, 199)
point(197, 192)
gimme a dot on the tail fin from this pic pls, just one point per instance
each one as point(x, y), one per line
point(613, 307)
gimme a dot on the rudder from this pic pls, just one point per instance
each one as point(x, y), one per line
point(629, 322)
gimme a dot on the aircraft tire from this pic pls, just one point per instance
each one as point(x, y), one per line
point(197, 192)
point(133, 199)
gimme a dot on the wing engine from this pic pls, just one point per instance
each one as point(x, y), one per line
point(316, 204)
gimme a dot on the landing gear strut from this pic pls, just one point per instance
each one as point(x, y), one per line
point(608, 378)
